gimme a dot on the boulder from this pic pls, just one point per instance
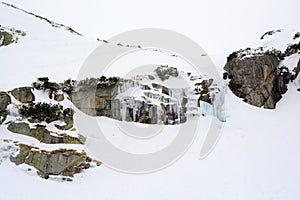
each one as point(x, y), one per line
point(23, 94)
point(257, 79)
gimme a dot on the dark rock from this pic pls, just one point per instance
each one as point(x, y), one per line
point(297, 35)
point(269, 33)
point(23, 94)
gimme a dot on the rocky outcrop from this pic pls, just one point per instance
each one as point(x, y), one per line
point(23, 94)
point(42, 134)
point(64, 162)
point(257, 79)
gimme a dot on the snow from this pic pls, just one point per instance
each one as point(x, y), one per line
point(291, 61)
point(42, 48)
point(257, 156)
point(280, 40)
point(253, 160)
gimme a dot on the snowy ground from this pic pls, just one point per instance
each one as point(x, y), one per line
point(257, 156)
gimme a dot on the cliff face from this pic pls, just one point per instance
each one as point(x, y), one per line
point(260, 76)
point(155, 104)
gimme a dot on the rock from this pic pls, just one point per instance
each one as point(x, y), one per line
point(4, 101)
point(42, 134)
point(6, 38)
point(10, 35)
point(104, 101)
point(64, 162)
point(94, 102)
point(69, 124)
point(298, 89)
point(23, 94)
point(59, 97)
point(164, 72)
point(257, 79)
point(21, 128)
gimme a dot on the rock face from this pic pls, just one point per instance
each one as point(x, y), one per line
point(157, 104)
point(94, 102)
point(58, 162)
point(23, 94)
point(257, 79)
point(42, 134)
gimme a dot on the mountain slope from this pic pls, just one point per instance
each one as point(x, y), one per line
point(256, 158)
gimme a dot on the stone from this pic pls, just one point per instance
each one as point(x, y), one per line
point(23, 94)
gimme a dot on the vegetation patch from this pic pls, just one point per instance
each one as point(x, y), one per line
point(45, 112)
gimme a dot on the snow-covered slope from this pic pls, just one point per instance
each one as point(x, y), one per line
point(42, 48)
point(256, 158)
